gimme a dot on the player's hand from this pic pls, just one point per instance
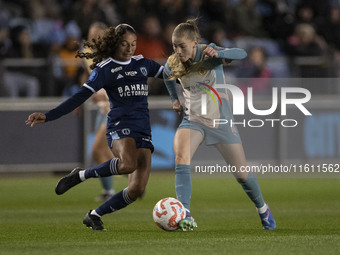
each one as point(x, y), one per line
point(35, 118)
point(177, 107)
point(210, 53)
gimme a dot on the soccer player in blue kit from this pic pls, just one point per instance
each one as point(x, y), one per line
point(198, 67)
point(124, 77)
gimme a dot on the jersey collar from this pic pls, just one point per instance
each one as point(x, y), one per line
point(121, 62)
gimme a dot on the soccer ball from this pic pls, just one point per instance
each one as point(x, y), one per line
point(168, 212)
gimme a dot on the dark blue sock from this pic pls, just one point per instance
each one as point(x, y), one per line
point(115, 203)
point(105, 169)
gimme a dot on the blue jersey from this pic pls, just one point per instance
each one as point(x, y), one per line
point(126, 86)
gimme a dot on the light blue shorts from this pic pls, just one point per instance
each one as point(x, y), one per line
point(224, 134)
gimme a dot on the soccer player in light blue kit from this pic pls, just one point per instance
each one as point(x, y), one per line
point(124, 77)
point(198, 67)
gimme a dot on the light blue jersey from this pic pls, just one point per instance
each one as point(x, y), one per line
point(199, 89)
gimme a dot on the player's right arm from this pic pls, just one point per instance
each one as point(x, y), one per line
point(35, 118)
point(171, 87)
point(84, 92)
point(64, 108)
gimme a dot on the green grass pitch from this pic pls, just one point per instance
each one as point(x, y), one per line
point(36, 221)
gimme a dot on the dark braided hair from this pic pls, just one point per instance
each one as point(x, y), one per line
point(105, 46)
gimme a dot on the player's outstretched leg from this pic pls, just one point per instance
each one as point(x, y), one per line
point(93, 221)
point(267, 220)
point(68, 181)
point(78, 175)
point(188, 223)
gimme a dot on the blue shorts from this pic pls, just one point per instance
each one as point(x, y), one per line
point(224, 134)
point(142, 140)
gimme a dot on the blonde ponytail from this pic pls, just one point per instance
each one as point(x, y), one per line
point(189, 30)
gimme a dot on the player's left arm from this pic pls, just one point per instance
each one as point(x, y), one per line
point(155, 70)
point(93, 84)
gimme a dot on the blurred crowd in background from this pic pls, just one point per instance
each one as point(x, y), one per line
point(283, 38)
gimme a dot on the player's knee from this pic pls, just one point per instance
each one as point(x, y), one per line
point(182, 159)
point(127, 166)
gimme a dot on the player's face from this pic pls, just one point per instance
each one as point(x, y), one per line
point(126, 47)
point(184, 48)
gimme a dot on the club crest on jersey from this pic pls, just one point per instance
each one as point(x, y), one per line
point(202, 71)
point(144, 71)
point(126, 131)
point(93, 76)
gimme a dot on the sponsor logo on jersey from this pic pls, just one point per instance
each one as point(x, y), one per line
point(131, 73)
point(133, 90)
point(113, 70)
point(144, 71)
point(120, 76)
point(93, 75)
point(205, 87)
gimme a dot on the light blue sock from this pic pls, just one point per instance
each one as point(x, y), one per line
point(183, 184)
point(252, 188)
point(107, 182)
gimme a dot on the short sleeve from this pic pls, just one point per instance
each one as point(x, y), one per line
point(154, 69)
point(96, 80)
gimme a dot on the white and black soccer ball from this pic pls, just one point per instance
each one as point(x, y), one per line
point(168, 212)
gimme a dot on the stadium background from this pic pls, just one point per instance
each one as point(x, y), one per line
point(301, 41)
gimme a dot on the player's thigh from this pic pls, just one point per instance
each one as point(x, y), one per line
point(139, 178)
point(125, 150)
point(100, 142)
point(186, 143)
point(234, 155)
